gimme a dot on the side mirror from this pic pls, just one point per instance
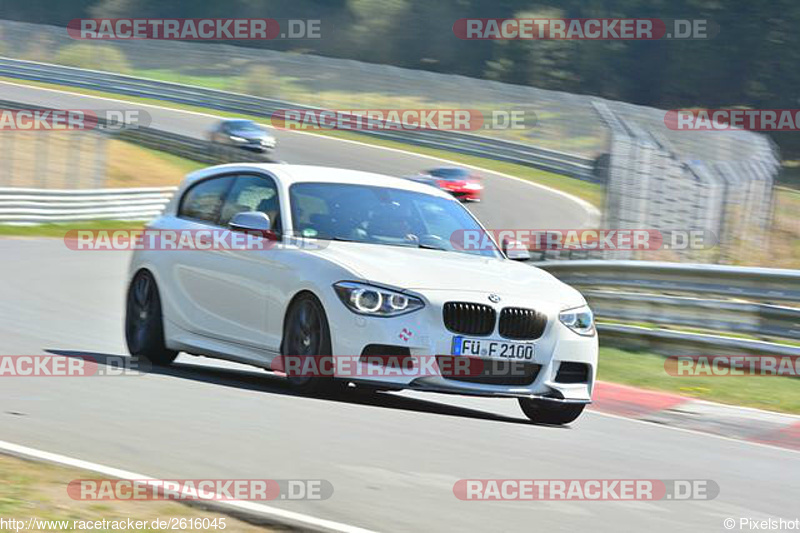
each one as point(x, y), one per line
point(515, 250)
point(251, 222)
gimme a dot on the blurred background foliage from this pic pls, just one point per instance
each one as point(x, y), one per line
point(751, 63)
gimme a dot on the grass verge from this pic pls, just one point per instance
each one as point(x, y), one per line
point(784, 239)
point(32, 490)
point(591, 192)
point(646, 370)
point(60, 230)
point(130, 165)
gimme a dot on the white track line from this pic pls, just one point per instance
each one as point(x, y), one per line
point(245, 507)
point(594, 213)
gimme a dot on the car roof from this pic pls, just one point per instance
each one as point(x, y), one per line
point(291, 174)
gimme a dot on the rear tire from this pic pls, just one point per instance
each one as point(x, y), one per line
point(144, 323)
point(306, 333)
point(546, 412)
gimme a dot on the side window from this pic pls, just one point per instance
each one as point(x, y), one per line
point(253, 193)
point(204, 200)
point(311, 215)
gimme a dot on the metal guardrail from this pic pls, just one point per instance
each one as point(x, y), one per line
point(498, 149)
point(722, 300)
point(36, 206)
point(764, 284)
point(716, 315)
point(673, 342)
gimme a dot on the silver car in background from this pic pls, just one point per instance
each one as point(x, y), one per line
point(242, 133)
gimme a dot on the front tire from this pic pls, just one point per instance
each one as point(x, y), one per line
point(306, 334)
point(144, 323)
point(554, 413)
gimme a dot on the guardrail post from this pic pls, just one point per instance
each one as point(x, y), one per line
point(7, 140)
point(42, 161)
point(100, 165)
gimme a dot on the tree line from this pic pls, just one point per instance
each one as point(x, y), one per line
point(752, 62)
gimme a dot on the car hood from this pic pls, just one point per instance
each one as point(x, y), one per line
point(421, 269)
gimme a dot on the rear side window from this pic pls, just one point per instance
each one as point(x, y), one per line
point(204, 200)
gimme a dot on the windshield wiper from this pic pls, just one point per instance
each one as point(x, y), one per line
point(407, 244)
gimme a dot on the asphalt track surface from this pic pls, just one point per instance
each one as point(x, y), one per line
point(392, 458)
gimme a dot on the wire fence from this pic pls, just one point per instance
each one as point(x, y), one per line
point(53, 160)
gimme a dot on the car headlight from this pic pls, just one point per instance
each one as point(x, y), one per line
point(376, 301)
point(580, 320)
point(238, 139)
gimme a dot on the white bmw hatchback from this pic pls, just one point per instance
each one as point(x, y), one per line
point(359, 267)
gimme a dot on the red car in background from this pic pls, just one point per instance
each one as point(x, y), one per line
point(462, 183)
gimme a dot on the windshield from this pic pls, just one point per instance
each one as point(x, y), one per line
point(449, 173)
point(244, 125)
point(379, 215)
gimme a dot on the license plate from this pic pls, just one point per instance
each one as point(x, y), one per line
point(518, 351)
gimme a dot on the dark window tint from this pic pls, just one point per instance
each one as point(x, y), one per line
point(379, 215)
point(449, 173)
point(252, 193)
point(204, 200)
point(244, 125)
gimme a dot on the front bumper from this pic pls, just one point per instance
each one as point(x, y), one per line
point(260, 148)
point(445, 386)
point(255, 145)
point(424, 335)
